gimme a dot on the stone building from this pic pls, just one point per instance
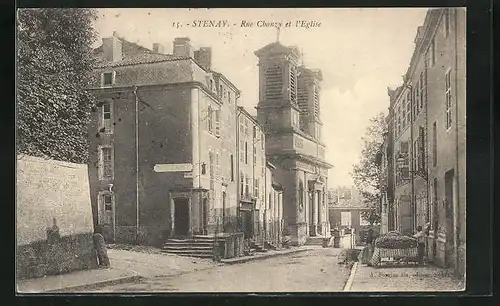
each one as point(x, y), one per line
point(251, 165)
point(428, 120)
point(289, 111)
point(163, 147)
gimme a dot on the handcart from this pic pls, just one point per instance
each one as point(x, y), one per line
point(394, 256)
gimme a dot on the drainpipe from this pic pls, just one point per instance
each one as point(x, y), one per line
point(136, 161)
point(455, 203)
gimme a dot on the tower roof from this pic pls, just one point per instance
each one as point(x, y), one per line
point(312, 72)
point(277, 48)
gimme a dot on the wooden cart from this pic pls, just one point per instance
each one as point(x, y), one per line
point(399, 256)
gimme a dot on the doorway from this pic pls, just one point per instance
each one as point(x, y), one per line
point(181, 217)
point(247, 223)
point(448, 189)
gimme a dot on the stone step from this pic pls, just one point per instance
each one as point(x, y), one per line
point(195, 255)
point(188, 247)
point(189, 243)
point(188, 251)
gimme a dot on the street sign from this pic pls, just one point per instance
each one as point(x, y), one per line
point(173, 167)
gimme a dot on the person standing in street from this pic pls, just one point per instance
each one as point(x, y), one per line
point(420, 235)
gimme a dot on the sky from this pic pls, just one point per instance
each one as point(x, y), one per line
point(360, 51)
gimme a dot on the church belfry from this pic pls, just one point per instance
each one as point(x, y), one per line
point(309, 88)
point(277, 109)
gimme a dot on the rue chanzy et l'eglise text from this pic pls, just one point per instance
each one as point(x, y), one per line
point(306, 24)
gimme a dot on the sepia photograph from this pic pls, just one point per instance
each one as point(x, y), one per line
point(217, 150)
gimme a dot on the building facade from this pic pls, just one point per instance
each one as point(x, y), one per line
point(289, 112)
point(428, 122)
point(163, 147)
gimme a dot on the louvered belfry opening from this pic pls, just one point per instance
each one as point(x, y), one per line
point(293, 84)
point(316, 101)
point(274, 82)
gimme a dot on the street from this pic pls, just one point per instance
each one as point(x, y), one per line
point(313, 270)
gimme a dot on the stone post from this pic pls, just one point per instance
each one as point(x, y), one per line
point(321, 213)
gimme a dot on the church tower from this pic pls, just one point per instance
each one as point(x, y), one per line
point(309, 88)
point(277, 109)
point(289, 112)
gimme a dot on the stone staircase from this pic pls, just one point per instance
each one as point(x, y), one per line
point(196, 246)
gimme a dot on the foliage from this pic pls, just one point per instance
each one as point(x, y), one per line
point(54, 64)
point(366, 173)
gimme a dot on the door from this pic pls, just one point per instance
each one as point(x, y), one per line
point(448, 189)
point(205, 216)
point(247, 223)
point(181, 217)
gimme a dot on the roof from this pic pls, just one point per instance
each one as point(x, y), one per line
point(277, 48)
point(133, 54)
point(247, 114)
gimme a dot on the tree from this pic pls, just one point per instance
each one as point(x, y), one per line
point(54, 65)
point(366, 173)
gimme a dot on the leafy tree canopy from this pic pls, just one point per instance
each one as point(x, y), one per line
point(366, 173)
point(54, 64)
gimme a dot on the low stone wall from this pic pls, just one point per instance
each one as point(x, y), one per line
point(54, 225)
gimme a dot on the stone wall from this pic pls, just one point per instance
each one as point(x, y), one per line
point(54, 225)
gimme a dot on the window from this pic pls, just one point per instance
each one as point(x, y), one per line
point(262, 141)
point(446, 23)
point(217, 122)
point(246, 152)
point(449, 119)
point(403, 146)
point(408, 109)
point(421, 148)
point(247, 186)
point(256, 187)
point(107, 118)
point(433, 53)
point(242, 179)
point(106, 163)
point(211, 169)
point(242, 151)
point(414, 155)
point(422, 89)
point(232, 167)
point(106, 201)
point(362, 220)
point(217, 165)
point(434, 144)
point(415, 103)
point(209, 119)
point(246, 127)
point(108, 78)
point(255, 155)
point(345, 218)
point(417, 98)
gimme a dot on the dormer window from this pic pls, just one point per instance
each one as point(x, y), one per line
point(108, 78)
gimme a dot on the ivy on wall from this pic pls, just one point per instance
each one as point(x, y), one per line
point(54, 65)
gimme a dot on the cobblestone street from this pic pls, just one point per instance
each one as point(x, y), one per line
point(313, 270)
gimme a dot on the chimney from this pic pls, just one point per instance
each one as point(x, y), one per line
point(112, 48)
point(182, 47)
point(158, 48)
point(204, 57)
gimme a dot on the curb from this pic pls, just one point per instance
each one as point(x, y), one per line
point(92, 286)
point(348, 284)
point(254, 258)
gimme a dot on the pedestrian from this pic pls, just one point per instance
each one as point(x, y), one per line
point(420, 235)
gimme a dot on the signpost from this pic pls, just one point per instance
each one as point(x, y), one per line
point(173, 167)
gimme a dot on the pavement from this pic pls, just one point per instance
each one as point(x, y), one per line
point(78, 280)
point(130, 265)
point(426, 278)
point(315, 269)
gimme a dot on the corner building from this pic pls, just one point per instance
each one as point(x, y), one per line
point(163, 146)
point(289, 112)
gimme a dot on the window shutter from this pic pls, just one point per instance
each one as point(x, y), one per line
point(217, 122)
